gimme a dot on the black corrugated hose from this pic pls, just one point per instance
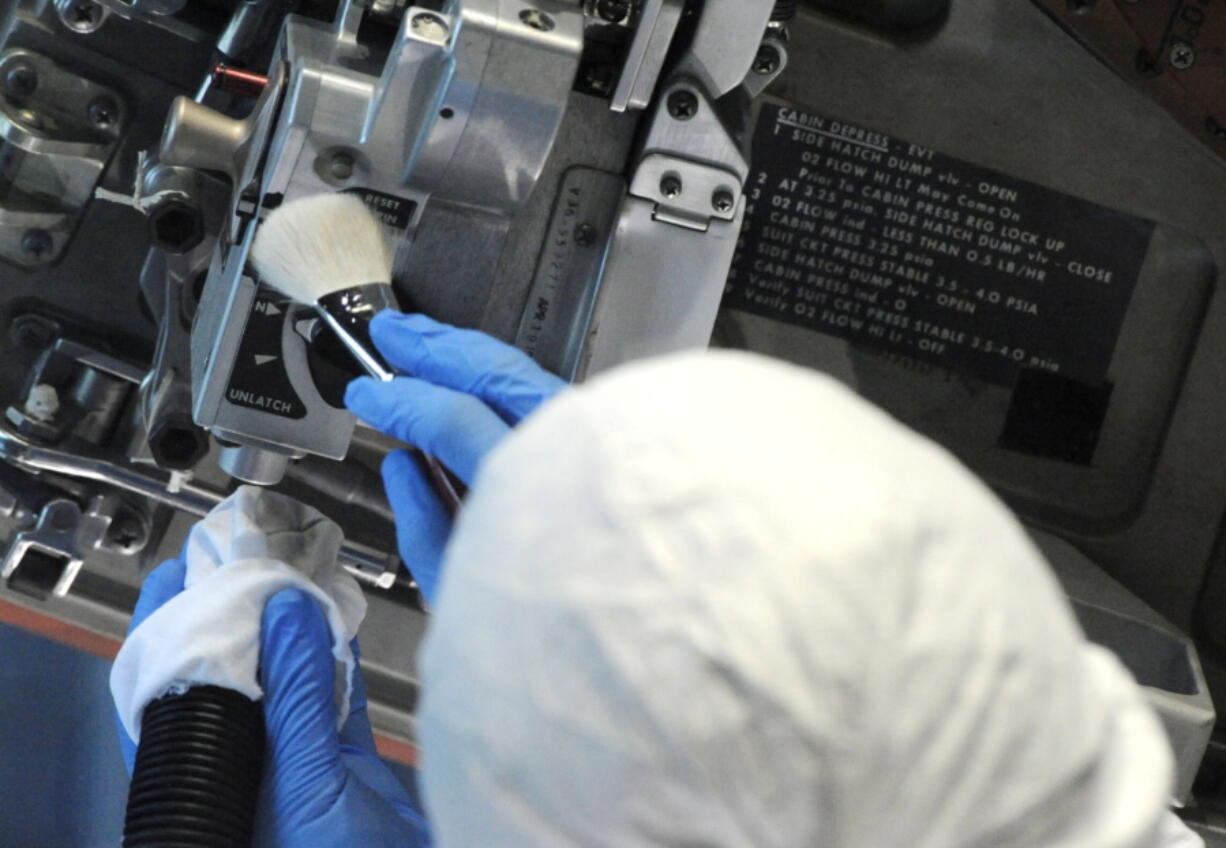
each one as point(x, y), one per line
point(196, 780)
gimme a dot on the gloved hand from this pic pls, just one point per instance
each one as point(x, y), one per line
point(322, 787)
point(466, 392)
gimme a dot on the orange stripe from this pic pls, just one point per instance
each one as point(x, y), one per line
point(391, 748)
point(59, 631)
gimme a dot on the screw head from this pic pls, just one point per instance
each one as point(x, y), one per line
point(613, 11)
point(36, 243)
point(103, 112)
point(21, 78)
point(127, 533)
point(585, 235)
point(1183, 56)
point(683, 104)
point(723, 201)
point(81, 16)
point(537, 19)
point(671, 186)
point(767, 61)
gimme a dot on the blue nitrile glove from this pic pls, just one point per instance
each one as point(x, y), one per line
point(322, 787)
point(466, 392)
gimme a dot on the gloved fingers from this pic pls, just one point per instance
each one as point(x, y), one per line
point(456, 428)
point(303, 769)
point(422, 523)
point(162, 584)
point(356, 732)
point(468, 361)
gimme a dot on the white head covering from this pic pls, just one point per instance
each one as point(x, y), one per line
point(714, 601)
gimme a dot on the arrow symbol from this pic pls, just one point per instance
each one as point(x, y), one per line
point(267, 307)
point(261, 359)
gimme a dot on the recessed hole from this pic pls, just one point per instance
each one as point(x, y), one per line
point(38, 573)
point(446, 113)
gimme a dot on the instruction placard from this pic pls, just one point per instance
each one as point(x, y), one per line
point(897, 247)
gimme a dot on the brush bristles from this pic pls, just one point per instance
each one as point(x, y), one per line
point(315, 246)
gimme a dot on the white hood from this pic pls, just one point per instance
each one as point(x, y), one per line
point(716, 601)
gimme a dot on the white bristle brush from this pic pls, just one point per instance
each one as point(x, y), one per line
point(330, 251)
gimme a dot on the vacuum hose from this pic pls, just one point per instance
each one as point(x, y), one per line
point(197, 775)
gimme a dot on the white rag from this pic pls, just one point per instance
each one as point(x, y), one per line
point(252, 545)
point(716, 600)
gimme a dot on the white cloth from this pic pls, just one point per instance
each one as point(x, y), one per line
point(716, 600)
point(251, 546)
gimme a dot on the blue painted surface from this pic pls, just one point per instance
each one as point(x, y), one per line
point(62, 780)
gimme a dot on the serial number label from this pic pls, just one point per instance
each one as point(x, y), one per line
point(899, 248)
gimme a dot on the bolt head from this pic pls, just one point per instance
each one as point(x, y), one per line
point(683, 104)
point(671, 187)
point(723, 201)
point(103, 112)
point(37, 244)
point(21, 78)
point(767, 61)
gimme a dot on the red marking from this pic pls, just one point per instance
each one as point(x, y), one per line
point(59, 631)
point(238, 81)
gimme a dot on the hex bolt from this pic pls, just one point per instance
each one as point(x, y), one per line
point(36, 243)
point(1183, 56)
point(683, 104)
point(723, 201)
point(767, 61)
point(585, 235)
point(671, 186)
point(613, 11)
point(537, 20)
point(103, 112)
point(21, 78)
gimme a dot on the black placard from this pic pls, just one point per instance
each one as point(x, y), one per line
point(395, 212)
point(894, 246)
point(260, 379)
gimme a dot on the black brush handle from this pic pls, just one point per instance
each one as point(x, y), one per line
point(348, 314)
point(196, 781)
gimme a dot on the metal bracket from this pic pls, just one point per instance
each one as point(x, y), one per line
point(63, 532)
point(57, 134)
